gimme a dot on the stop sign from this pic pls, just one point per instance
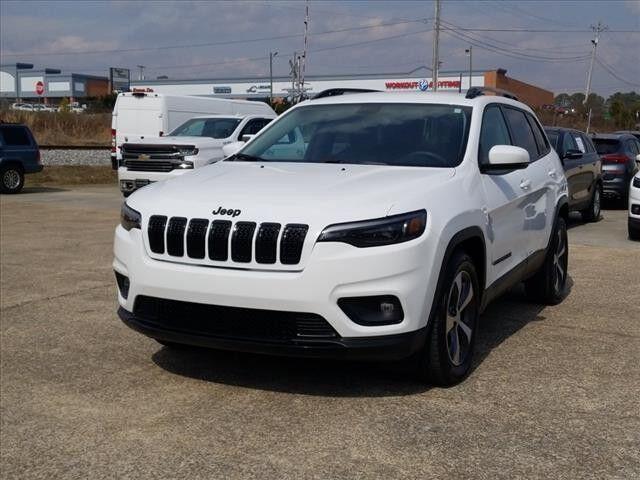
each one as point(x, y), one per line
point(39, 87)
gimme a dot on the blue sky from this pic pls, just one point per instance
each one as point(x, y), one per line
point(365, 37)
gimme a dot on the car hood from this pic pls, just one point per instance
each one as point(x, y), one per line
point(201, 142)
point(313, 194)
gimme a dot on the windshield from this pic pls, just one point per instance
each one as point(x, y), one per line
point(415, 135)
point(207, 127)
point(604, 146)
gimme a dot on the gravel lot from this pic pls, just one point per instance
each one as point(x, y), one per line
point(554, 392)
point(75, 157)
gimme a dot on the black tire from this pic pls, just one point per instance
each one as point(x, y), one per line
point(11, 179)
point(592, 212)
point(438, 363)
point(634, 232)
point(548, 284)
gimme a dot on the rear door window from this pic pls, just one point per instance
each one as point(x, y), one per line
point(494, 131)
point(15, 136)
point(521, 132)
point(541, 141)
point(588, 144)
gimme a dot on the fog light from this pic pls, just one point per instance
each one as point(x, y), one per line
point(374, 310)
point(635, 209)
point(123, 284)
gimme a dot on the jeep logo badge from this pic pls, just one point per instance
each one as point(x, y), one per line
point(226, 211)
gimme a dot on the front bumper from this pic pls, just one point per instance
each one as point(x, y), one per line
point(384, 347)
point(332, 271)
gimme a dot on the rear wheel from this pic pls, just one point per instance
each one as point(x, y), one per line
point(446, 358)
point(11, 179)
point(549, 283)
point(634, 232)
point(592, 212)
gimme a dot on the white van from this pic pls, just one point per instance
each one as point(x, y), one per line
point(142, 114)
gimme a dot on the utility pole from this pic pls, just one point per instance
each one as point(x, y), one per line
point(141, 74)
point(271, 55)
point(598, 29)
point(470, 52)
point(436, 37)
point(304, 52)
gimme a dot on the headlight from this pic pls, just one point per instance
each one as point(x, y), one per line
point(188, 151)
point(378, 232)
point(636, 182)
point(129, 218)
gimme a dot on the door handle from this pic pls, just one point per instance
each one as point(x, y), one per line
point(525, 184)
point(552, 173)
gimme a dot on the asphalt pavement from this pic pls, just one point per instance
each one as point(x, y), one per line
point(554, 392)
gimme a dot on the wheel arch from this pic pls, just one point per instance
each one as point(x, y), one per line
point(12, 163)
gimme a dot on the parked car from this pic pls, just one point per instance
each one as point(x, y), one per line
point(139, 116)
point(19, 154)
point(194, 144)
point(635, 133)
point(634, 208)
point(583, 169)
point(384, 237)
point(618, 153)
point(27, 107)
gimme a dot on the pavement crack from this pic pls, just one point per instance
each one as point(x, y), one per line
point(54, 297)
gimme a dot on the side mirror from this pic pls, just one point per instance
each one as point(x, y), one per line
point(246, 137)
point(572, 154)
point(507, 157)
point(231, 149)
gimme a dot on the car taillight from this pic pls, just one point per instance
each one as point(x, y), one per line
point(614, 158)
point(113, 140)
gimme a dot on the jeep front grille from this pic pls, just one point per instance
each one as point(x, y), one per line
point(223, 240)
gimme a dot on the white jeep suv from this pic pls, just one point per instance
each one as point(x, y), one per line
point(382, 235)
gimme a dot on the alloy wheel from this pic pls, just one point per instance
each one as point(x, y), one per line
point(460, 317)
point(11, 179)
point(560, 262)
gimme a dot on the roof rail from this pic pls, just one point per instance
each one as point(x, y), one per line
point(333, 92)
point(474, 92)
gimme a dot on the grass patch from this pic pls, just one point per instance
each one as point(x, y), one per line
point(73, 175)
point(60, 128)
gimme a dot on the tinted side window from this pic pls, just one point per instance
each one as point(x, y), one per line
point(568, 143)
point(15, 136)
point(578, 139)
point(587, 142)
point(253, 127)
point(541, 141)
point(521, 131)
point(494, 132)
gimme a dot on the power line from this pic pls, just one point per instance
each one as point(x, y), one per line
point(613, 73)
point(219, 43)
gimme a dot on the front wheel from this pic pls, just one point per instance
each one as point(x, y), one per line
point(446, 358)
point(549, 283)
point(11, 179)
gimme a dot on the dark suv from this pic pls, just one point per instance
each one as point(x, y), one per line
point(618, 152)
point(582, 167)
point(19, 154)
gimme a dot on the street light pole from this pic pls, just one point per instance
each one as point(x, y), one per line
point(470, 52)
point(271, 55)
point(436, 37)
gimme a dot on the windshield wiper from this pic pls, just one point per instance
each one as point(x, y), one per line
point(243, 157)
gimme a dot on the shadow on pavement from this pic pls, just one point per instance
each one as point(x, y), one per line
point(334, 378)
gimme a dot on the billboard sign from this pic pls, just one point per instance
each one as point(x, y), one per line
point(119, 79)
